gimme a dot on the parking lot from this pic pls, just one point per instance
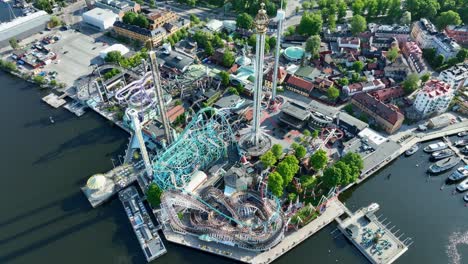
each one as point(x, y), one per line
point(76, 53)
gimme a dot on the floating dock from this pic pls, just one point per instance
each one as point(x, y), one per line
point(142, 224)
point(54, 100)
point(371, 237)
point(76, 108)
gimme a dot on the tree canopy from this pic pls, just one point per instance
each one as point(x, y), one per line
point(333, 93)
point(268, 159)
point(331, 177)
point(313, 45)
point(153, 195)
point(319, 159)
point(277, 150)
point(422, 8)
point(411, 83)
point(228, 59)
point(447, 18)
point(311, 24)
point(358, 24)
point(287, 168)
point(358, 66)
point(392, 54)
point(245, 21)
point(135, 19)
point(113, 57)
point(275, 184)
point(224, 75)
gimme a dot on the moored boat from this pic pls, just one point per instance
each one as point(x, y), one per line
point(462, 134)
point(458, 175)
point(435, 147)
point(461, 143)
point(463, 186)
point(464, 150)
point(444, 165)
point(441, 154)
point(412, 150)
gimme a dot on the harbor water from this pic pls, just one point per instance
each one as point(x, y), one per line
point(46, 219)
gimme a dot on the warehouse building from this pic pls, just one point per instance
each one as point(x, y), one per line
point(23, 27)
point(100, 18)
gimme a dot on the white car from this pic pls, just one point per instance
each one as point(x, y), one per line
point(463, 186)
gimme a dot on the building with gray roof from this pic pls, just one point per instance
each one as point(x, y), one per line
point(23, 27)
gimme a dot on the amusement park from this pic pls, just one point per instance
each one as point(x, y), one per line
point(236, 172)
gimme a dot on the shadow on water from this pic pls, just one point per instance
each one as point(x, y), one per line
point(99, 135)
point(70, 206)
point(45, 121)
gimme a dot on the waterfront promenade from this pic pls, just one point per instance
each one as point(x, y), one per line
point(292, 239)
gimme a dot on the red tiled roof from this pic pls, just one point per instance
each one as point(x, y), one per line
point(386, 112)
point(300, 83)
point(388, 93)
point(436, 87)
point(175, 112)
point(281, 74)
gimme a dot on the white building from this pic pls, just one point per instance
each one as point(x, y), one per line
point(351, 43)
point(456, 75)
point(435, 97)
point(214, 25)
point(426, 36)
point(116, 47)
point(100, 18)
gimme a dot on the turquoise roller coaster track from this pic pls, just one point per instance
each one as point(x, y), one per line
point(205, 140)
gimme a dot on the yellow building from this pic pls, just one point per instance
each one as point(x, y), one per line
point(161, 17)
point(143, 35)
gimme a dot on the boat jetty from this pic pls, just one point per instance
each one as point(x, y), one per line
point(143, 226)
point(371, 237)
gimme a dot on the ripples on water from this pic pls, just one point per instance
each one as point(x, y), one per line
point(455, 240)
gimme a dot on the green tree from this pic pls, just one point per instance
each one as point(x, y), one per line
point(44, 5)
point(311, 24)
point(194, 19)
point(153, 195)
point(406, 18)
point(394, 9)
point(306, 5)
point(218, 42)
point(422, 8)
point(425, 77)
point(315, 134)
point(331, 177)
point(272, 42)
point(300, 152)
point(342, 7)
point(275, 184)
point(447, 18)
point(318, 160)
point(358, 66)
point(245, 21)
point(333, 93)
point(39, 79)
point(141, 21)
point(113, 57)
point(357, 7)
point(358, 24)
point(152, 3)
point(308, 181)
point(349, 109)
point(8, 66)
point(347, 175)
point(224, 75)
point(392, 54)
point(343, 81)
point(209, 50)
point(306, 133)
point(411, 83)
point(439, 60)
point(54, 21)
point(129, 18)
point(13, 43)
point(372, 8)
point(277, 150)
point(313, 45)
point(462, 55)
point(268, 159)
point(355, 163)
point(288, 168)
point(332, 22)
point(228, 59)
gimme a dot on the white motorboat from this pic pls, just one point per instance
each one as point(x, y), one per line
point(463, 186)
point(458, 175)
point(462, 134)
point(461, 142)
point(441, 154)
point(435, 147)
point(444, 165)
point(412, 150)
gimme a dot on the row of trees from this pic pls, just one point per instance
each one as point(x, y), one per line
point(445, 12)
point(208, 41)
point(139, 20)
point(133, 61)
point(344, 171)
point(177, 36)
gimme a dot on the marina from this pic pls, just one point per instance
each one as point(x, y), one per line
point(372, 237)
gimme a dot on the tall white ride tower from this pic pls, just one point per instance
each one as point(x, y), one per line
point(280, 16)
point(133, 115)
point(255, 142)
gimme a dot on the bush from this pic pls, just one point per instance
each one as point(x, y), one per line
point(153, 195)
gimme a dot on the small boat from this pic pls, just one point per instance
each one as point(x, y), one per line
point(435, 147)
point(465, 198)
point(463, 186)
point(462, 134)
point(51, 120)
point(461, 143)
point(444, 165)
point(441, 154)
point(464, 150)
point(458, 175)
point(412, 150)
